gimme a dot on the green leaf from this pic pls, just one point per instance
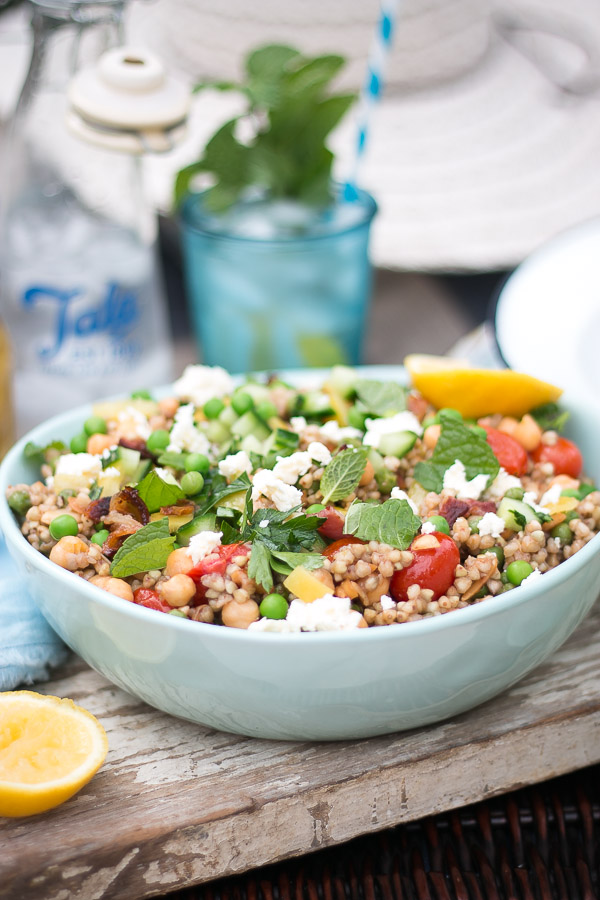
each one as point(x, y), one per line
point(259, 565)
point(550, 417)
point(156, 493)
point(519, 518)
point(310, 78)
point(147, 549)
point(457, 441)
point(284, 531)
point(174, 460)
point(381, 398)
point(225, 490)
point(342, 474)
point(392, 522)
point(38, 455)
point(183, 179)
point(284, 562)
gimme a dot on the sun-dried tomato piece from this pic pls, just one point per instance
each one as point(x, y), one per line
point(452, 508)
point(180, 508)
point(129, 502)
point(114, 542)
point(481, 507)
point(97, 509)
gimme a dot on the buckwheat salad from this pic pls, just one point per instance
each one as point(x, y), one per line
point(261, 506)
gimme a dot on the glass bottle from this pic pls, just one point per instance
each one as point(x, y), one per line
point(78, 274)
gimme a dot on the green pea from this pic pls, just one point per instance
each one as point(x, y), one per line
point(356, 418)
point(95, 425)
point(19, 502)
point(78, 444)
point(450, 413)
point(273, 606)
point(266, 410)
point(62, 526)
point(100, 536)
point(197, 462)
point(313, 508)
point(563, 533)
point(440, 524)
point(515, 493)
point(474, 523)
point(242, 402)
point(478, 430)
point(158, 440)
point(212, 408)
point(141, 395)
point(498, 553)
point(192, 483)
point(517, 571)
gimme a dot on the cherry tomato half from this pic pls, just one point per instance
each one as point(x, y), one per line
point(150, 599)
point(564, 455)
point(333, 525)
point(337, 545)
point(432, 569)
point(214, 564)
point(509, 453)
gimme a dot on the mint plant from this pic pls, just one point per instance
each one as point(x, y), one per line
point(292, 109)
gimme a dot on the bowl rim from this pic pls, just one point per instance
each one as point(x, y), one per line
point(469, 615)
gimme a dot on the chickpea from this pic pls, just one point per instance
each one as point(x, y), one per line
point(71, 553)
point(528, 433)
point(508, 424)
point(431, 436)
point(377, 592)
point(239, 615)
point(98, 443)
point(324, 577)
point(177, 590)
point(368, 475)
point(168, 406)
point(179, 562)
point(115, 586)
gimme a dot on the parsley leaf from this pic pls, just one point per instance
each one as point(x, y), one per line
point(380, 398)
point(283, 531)
point(457, 442)
point(342, 474)
point(263, 561)
point(519, 518)
point(156, 493)
point(550, 417)
point(392, 522)
point(147, 549)
point(259, 565)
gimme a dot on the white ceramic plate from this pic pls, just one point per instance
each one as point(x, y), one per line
point(548, 313)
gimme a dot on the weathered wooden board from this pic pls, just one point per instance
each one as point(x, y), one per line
point(177, 804)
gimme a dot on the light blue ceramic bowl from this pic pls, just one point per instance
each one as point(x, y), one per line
point(325, 686)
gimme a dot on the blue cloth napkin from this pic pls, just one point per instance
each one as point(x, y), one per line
point(28, 645)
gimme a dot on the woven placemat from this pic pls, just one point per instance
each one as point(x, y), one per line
point(538, 843)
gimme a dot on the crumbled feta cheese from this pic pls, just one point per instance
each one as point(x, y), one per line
point(290, 468)
point(283, 495)
point(201, 383)
point(502, 483)
point(532, 577)
point(111, 472)
point(202, 544)
point(386, 602)
point(79, 464)
point(134, 423)
point(455, 479)
point(552, 495)
point(235, 464)
point(298, 423)
point(184, 434)
point(326, 613)
point(278, 626)
point(336, 434)
point(319, 452)
point(50, 481)
point(402, 421)
point(427, 528)
point(399, 494)
point(491, 524)
point(109, 451)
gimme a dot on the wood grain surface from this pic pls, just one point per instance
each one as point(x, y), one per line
point(177, 804)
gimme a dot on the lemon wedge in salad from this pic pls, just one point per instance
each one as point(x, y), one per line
point(446, 382)
point(49, 748)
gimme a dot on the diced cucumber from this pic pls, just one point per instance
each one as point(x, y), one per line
point(251, 444)
point(507, 509)
point(250, 423)
point(234, 501)
point(127, 461)
point(228, 416)
point(385, 479)
point(343, 379)
point(216, 432)
point(397, 444)
point(316, 403)
point(258, 392)
point(142, 470)
point(205, 522)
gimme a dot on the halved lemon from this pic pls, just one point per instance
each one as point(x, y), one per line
point(477, 392)
point(49, 748)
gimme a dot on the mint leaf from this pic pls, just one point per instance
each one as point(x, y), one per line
point(147, 549)
point(550, 417)
point(457, 442)
point(259, 565)
point(222, 490)
point(284, 562)
point(392, 522)
point(380, 398)
point(174, 460)
point(342, 474)
point(156, 493)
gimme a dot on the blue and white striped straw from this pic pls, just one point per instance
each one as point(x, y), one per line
point(373, 86)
